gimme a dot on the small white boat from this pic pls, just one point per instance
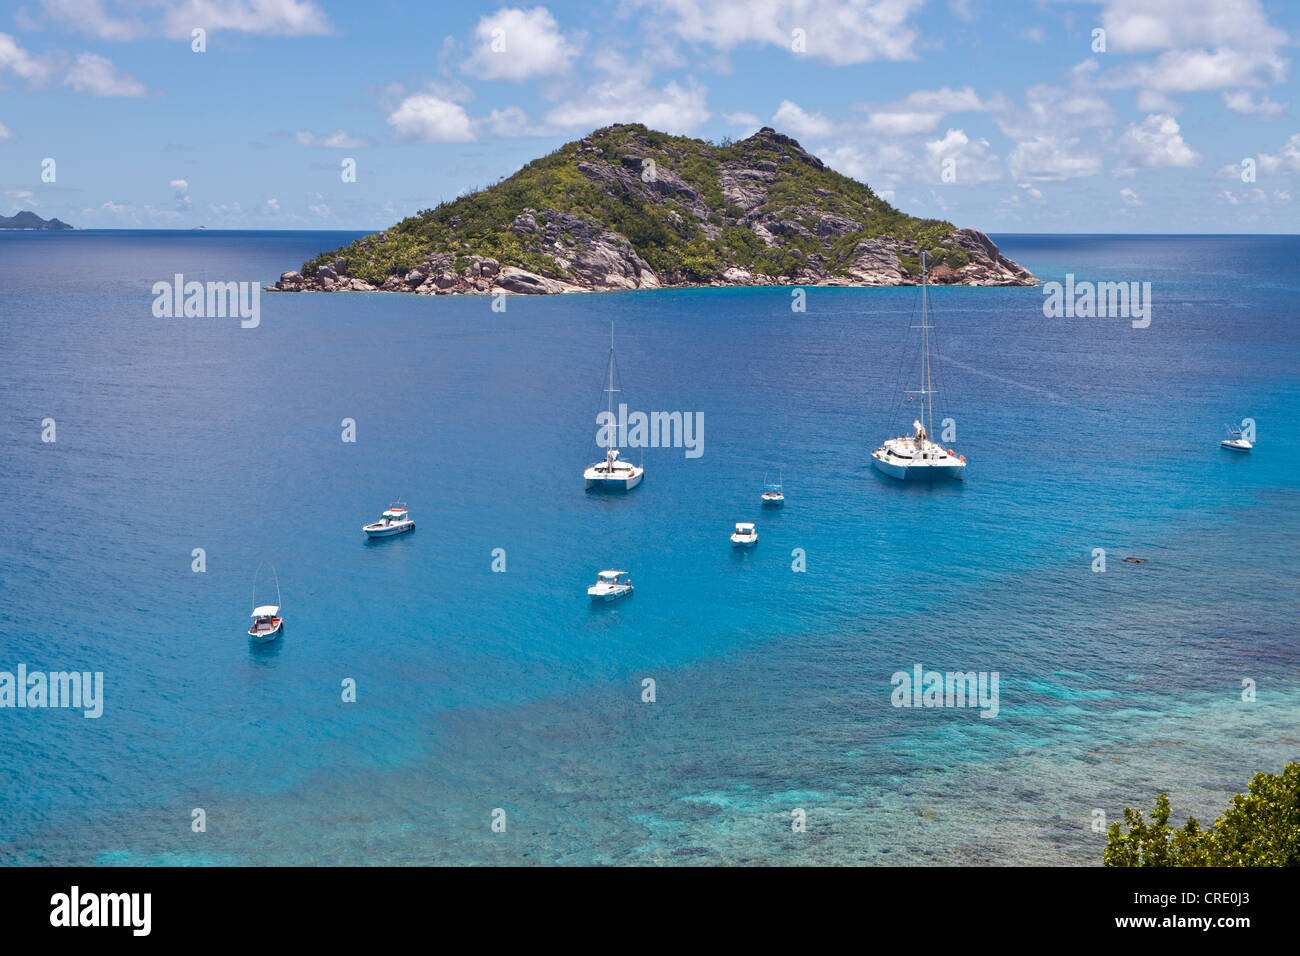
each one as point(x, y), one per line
point(396, 520)
point(1235, 441)
point(773, 495)
point(267, 623)
point(745, 536)
point(609, 586)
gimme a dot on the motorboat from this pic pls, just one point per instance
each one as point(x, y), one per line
point(396, 520)
point(267, 623)
point(745, 535)
point(609, 586)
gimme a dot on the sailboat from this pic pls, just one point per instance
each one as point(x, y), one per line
point(773, 495)
point(918, 455)
point(267, 623)
point(612, 474)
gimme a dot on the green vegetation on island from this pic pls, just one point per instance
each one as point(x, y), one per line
point(631, 207)
point(1259, 828)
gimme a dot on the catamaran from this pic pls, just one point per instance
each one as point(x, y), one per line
point(773, 495)
point(395, 520)
point(612, 474)
point(918, 455)
point(610, 585)
point(267, 623)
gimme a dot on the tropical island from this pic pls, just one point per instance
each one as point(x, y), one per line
point(29, 220)
point(628, 207)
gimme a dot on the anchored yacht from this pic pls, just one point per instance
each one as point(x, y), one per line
point(774, 495)
point(917, 455)
point(267, 623)
point(609, 586)
point(395, 520)
point(745, 535)
point(613, 474)
point(1236, 441)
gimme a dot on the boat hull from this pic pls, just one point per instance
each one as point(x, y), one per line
point(918, 472)
point(621, 483)
point(265, 637)
point(1243, 449)
point(389, 531)
point(744, 543)
point(600, 598)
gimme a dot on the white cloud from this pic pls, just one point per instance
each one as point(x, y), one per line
point(98, 76)
point(742, 118)
point(923, 110)
point(881, 165)
point(21, 63)
point(1194, 71)
point(515, 44)
point(271, 207)
point(971, 161)
point(838, 31)
point(181, 194)
point(339, 139)
point(425, 118)
point(1241, 101)
point(1053, 159)
point(20, 199)
point(626, 99)
point(790, 117)
point(903, 124)
point(1055, 110)
point(1129, 197)
point(1157, 142)
point(6, 132)
point(119, 20)
point(1286, 160)
point(1143, 26)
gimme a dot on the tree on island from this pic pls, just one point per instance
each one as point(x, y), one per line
point(1260, 828)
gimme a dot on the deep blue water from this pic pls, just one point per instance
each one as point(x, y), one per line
point(479, 690)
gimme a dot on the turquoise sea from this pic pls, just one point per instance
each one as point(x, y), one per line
point(479, 690)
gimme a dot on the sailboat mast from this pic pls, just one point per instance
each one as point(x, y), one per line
point(925, 325)
point(610, 390)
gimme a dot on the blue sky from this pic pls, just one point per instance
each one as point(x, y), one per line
point(1037, 127)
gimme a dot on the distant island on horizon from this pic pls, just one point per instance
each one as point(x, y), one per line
point(25, 219)
point(628, 207)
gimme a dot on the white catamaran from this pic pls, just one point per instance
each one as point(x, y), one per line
point(918, 455)
point(612, 474)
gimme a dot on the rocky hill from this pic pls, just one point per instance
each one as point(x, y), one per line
point(631, 208)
